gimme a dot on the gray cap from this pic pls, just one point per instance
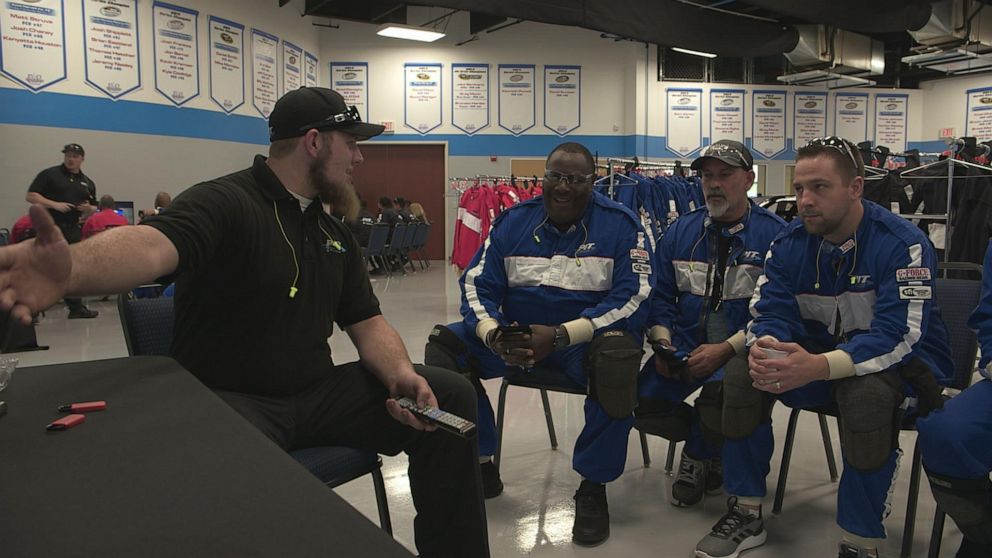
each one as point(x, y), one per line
point(730, 152)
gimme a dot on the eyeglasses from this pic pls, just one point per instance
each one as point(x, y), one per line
point(556, 177)
point(350, 116)
point(834, 142)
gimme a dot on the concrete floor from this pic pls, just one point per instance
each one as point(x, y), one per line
point(533, 517)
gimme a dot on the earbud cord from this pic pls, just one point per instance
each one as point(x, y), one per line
point(296, 264)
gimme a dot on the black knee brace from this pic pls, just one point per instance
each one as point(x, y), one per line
point(967, 502)
point(869, 418)
point(671, 421)
point(613, 361)
point(446, 350)
point(744, 407)
point(709, 407)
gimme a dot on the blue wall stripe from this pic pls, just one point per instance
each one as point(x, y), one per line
point(59, 110)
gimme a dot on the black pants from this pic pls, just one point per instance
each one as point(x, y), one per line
point(348, 409)
point(72, 235)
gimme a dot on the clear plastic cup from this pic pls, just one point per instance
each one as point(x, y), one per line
point(774, 353)
point(7, 366)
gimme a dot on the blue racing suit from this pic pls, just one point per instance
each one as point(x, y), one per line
point(684, 309)
point(592, 278)
point(869, 304)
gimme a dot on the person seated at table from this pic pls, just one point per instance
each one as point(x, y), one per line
point(572, 267)
point(269, 360)
point(103, 219)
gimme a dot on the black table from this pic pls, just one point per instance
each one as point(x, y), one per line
point(167, 470)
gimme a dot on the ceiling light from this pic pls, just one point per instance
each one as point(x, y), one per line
point(409, 32)
point(694, 52)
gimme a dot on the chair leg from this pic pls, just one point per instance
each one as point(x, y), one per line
point(644, 449)
point(937, 534)
point(828, 447)
point(783, 470)
point(409, 260)
point(909, 528)
point(380, 499)
point(550, 420)
point(500, 409)
point(670, 460)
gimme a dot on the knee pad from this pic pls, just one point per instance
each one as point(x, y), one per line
point(446, 350)
point(967, 502)
point(869, 418)
point(613, 361)
point(744, 407)
point(709, 407)
point(670, 420)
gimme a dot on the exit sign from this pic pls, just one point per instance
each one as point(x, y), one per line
point(947, 133)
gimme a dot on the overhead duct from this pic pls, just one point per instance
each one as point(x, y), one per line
point(956, 40)
point(831, 57)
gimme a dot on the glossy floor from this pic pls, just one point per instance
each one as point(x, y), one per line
point(533, 517)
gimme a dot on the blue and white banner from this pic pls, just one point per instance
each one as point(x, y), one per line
point(227, 63)
point(979, 121)
point(851, 116)
point(809, 118)
point(310, 69)
point(726, 115)
point(470, 97)
point(292, 67)
point(422, 96)
point(517, 99)
point(32, 47)
point(562, 98)
point(110, 33)
point(768, 123)
point(351, 80)
point(264, 71)
point(177, 66)
point(891, 116)
point(684, 122)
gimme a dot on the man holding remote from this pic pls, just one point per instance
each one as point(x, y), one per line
point(844, 318)
point(572, 270)
point(261, 236)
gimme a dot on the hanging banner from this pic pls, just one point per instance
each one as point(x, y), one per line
point(891, 112)
point(768, 123)
point(110, 34)
point(726, 115)
point(851, 116)
point(979, 122)
point(264, 69)
point(32, 48)
point(517, 102)
point(310, 69)
point(227, 63)
point(292, 67)
point(684, 124)
point(562, 98)
point(470, 97)
point(422, 92)
point(810, 118)
point(177, 69)
point(351, 80)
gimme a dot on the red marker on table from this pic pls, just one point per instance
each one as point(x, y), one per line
point(65, 423)
point(86, 407)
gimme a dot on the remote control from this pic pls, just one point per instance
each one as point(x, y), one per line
point(432, 415)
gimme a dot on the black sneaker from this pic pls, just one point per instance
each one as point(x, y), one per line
point(690, 484)
point(592, 515)
point(82, 313)
point(714, 475)
point(492, 486)
point(972, 549)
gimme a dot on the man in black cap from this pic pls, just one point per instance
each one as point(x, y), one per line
point(67, 194)
point(260, 235)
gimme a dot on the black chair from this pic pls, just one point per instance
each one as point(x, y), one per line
point(375, 250)
point(391, 252)
point(956, 298)
point(148, 325)
point(420, 242)
point(545, 380)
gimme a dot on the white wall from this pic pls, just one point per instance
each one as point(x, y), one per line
point(946, 103)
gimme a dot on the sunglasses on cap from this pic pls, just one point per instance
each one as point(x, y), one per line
point(350, 116)
point(834, 142)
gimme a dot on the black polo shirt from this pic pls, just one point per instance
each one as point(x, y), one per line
point(236, 326)
point(58, 184)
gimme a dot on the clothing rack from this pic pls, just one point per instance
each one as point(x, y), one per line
point(612, 162)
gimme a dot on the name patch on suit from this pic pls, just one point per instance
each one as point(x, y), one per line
point(641, 268)
point(915, 293)
point(913, 274)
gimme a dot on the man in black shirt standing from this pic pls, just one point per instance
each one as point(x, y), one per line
point(67, 194)
point(261, 235)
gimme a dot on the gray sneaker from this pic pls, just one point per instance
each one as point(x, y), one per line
point(736, 532)
point(690, 484)
point(850, 550)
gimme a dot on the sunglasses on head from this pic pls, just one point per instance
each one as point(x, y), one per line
point(840, 144)
point(350, 116)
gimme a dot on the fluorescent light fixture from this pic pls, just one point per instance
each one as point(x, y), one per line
point(408, 32)
point(693, 52)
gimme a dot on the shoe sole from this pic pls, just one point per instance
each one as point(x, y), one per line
point(746, 544)
point(590, 544)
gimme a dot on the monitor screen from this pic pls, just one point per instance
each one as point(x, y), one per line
point(126, 210)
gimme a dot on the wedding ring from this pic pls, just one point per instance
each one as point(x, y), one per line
point(778, 385)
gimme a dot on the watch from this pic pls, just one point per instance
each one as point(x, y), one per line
point(561, 338)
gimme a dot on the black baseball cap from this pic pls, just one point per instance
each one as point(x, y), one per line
point(730, 152)
point(74, 148)
point(320, 108)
